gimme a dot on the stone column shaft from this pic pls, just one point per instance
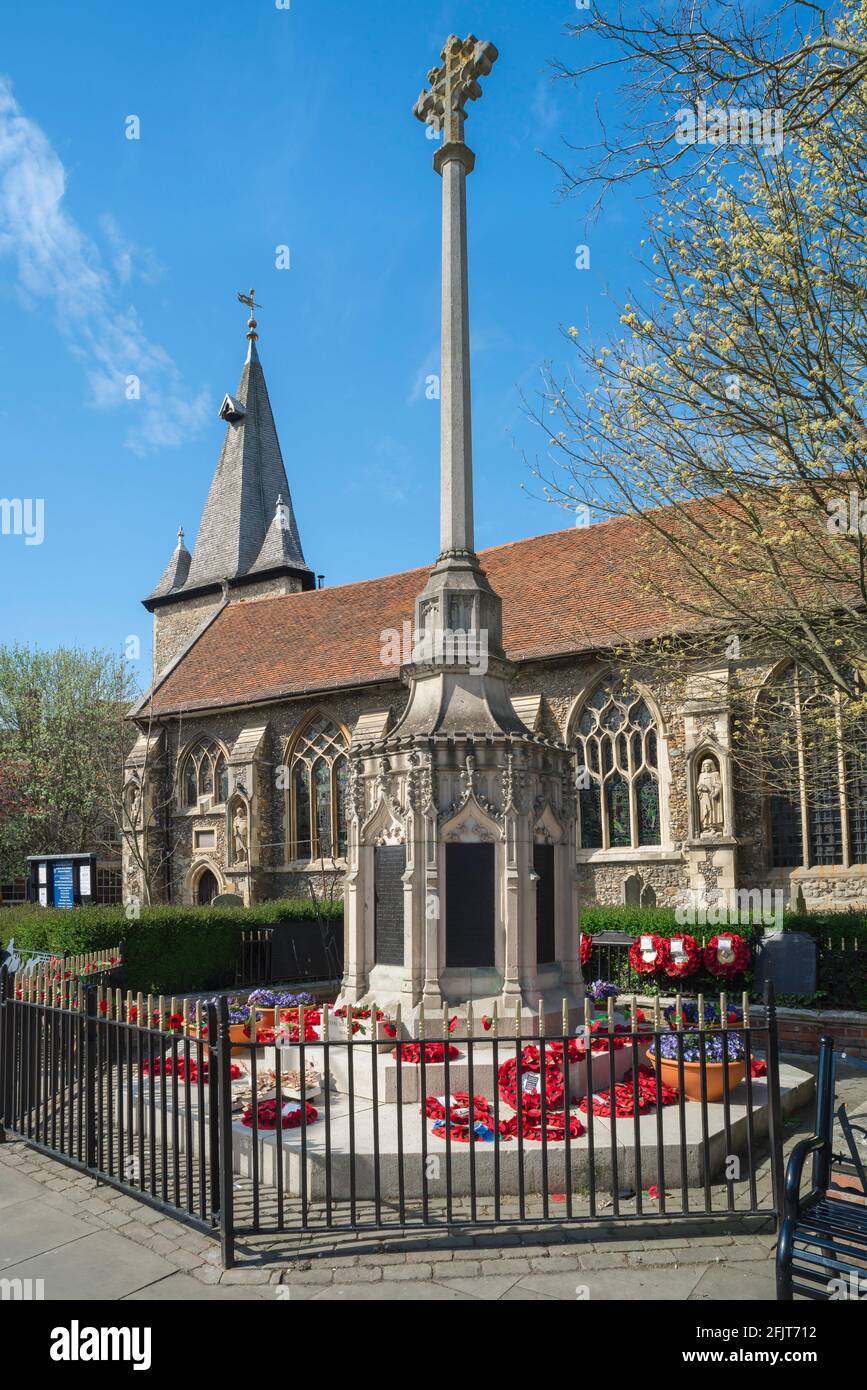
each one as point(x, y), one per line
point(453, 162)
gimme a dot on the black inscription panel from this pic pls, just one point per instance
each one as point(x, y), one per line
point(543, 863)
point(389, 863)
point(469, 905)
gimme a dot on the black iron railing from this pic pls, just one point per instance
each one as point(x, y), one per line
point(317, 1121)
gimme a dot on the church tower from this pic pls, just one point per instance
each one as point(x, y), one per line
point(248, 543)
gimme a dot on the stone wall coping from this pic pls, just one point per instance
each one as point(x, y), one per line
point(648, 855)
point(819, 1016)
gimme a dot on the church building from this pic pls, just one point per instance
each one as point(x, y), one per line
point(239, 781)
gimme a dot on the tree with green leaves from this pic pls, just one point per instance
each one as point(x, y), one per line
point(62, 747)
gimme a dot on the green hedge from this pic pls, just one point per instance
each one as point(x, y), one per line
point(167, 950)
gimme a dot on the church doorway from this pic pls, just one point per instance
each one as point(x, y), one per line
point(207, 889)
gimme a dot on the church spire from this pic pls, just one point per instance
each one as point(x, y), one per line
point(235, 534)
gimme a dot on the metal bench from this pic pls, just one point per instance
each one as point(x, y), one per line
point(822, 1249)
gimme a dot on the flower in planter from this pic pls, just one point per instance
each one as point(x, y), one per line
point(713, 1046)
point(600, 990)
point(262, 999)
point(287, 1000)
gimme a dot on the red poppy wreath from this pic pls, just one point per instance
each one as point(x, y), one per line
point(658, 960)
point(735, 959)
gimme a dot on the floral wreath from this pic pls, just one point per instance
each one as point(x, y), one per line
point(688, 963)
point(456, 1123)
point(266, 1112)
point(660, 948)
point(649, 1095)
point(165, 1067)
point(727, 970)
point(433, 1052)
point(585, 949)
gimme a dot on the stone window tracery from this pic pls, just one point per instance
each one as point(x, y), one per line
point(204, 773)
point(318, 776)
point(618, 756)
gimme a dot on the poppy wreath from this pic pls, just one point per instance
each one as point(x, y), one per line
point(585, 949)
point(624, 1096)
point(600, 1040)
point(165, 1067)
point(660, 948)
point(677, 969)
point(266, 1113)
point(433, 1052)
point(457, 1122)
point(758, 1067)
point(532, 1128)
point(727, 969)
point(531, 1095)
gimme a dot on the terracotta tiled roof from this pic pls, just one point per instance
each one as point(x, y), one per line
point(569, 591)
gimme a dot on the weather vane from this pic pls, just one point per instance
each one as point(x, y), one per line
point(251, 305)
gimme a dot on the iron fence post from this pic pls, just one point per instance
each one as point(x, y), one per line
point(227, 1207)
point(775, 1116)
point(213, 1112)
point(91, 1077)
point(5, 1047)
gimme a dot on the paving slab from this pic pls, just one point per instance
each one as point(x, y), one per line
point(100, 1265)
point(387, 1291)
point(32, 1227)
point(17, 1187)
point(668, 1285)
point(754, 1279)
point(487, 1287)
point(183, 1288)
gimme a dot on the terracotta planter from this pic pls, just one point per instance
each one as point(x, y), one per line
point(237, 1035)
point(265, 1017)
point(692, 1088)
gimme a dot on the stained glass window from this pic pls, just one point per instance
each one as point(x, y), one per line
point(617, 744)
point(320, 772)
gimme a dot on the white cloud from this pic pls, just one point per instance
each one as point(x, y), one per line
point(58, 262)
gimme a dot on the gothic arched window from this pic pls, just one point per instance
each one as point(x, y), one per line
point(617, 753)
point(318, 773)
point(815, 775)
point(204, 773)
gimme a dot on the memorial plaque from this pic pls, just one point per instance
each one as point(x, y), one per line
point(788, 959)
point(543, 863)
point(469, 905)
point(389, 864)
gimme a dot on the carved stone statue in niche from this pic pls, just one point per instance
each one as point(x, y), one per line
point(710, 798)
point(133, 803)
point(239, 835)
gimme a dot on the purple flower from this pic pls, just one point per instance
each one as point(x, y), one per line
point(713, 1046)
point(600, 990)
point(262, 998)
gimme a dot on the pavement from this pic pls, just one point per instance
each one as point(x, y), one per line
point(87, 1241)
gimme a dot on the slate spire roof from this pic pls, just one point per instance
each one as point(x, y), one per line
point(237, 530)
point(176, 571)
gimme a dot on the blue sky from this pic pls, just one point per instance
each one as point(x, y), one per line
point(263, 127)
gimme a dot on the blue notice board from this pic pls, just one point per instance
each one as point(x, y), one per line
point(62, 890)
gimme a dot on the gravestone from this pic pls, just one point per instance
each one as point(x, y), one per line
point(788, 960)
point(389, 865)
point(543, 863)
point(631, 890)
point(228, 900)
point(470, 905)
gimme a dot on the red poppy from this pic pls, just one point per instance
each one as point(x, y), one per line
point(433, 1052)
point(292, 1115)
point(661, 954)
point(676, 968)
point(727, 970)
point(585, 949)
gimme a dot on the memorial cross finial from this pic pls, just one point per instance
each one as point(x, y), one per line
point(441, 105)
